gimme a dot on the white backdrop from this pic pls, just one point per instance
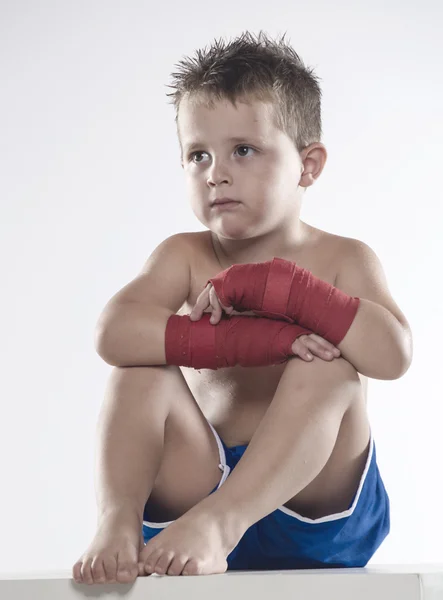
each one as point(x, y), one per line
point(91, 183)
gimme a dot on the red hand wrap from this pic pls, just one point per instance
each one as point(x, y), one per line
point(279, 289)
point(245, 341)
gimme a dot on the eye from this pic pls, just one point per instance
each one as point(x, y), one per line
point(191, 156)
point(248, 147)
point(194, 154)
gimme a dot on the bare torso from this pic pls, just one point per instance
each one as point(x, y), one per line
point(234, 400)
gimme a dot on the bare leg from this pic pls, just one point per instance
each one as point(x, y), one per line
point(135, 458)
point(290, 448)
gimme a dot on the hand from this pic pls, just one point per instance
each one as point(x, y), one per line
point(305, 345)
point(208, 297)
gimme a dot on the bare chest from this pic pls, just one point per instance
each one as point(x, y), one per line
point(234, 400)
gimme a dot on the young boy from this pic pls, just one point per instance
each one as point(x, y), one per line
point(222, 444)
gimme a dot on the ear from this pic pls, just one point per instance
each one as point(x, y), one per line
point(313, 159)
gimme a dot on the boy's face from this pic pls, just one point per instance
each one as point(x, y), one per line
point(261, 169)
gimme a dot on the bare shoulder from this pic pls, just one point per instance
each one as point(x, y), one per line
point(345, 253)
point(199, 247)
point(352, 247)
point(193, 244)
point(360, 271)
point(362, 274)
point(190, 239)
point(321, 253)
point(356, 258)
point(352, 250)
point(337, 245)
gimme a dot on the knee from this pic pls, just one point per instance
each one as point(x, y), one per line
point(146, 378)
point(332, 386)
point(323, 377)
point(143, 370)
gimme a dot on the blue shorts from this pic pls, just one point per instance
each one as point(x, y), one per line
point(286, 540)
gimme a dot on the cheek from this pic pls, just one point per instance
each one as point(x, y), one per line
point(198, 204)
point(283, 179)
point(265, 174)
point(196, 185)
point(191, 182)
point(264, 186)
point(196, 191)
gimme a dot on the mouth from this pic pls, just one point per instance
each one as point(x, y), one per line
point(224, 202)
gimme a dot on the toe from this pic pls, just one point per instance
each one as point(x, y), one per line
point(77, 572)
point(163, 563)
point(86, 571)
point(98, 573)
point(192, 567)
point(145, 552)
point(110, 567)
point(150, 561)
point(126, 568)
point(177, 564)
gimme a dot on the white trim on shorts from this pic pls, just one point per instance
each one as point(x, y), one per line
point(345, 513)
point(226, 470)
point(222, 466)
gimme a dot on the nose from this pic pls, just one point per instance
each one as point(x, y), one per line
point(218, 174)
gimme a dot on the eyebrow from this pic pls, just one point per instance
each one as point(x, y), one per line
point(236, 140)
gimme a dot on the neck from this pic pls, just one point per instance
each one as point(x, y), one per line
point(279, 242)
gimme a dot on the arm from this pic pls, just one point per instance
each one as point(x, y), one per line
point(131, 328)
point(139, 327)
point(355, 314)
point(379, 342)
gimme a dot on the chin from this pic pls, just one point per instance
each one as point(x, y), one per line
point(225, 230)
point(233, 235)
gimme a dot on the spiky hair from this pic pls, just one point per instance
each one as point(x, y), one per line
point(255, 67)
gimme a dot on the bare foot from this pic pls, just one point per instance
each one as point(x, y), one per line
point(191, 545)
point(113, 553)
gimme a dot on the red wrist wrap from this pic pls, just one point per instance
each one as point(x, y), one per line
point(246, 341)
point(279, 289)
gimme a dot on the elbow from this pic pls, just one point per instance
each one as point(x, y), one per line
point(405, 353)
point(101, 344)
point(405, 363)
point(392, 367)
point(402, 364)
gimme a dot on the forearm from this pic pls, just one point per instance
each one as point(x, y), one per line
point(368, 335)
point(133, 336)
point(376, 343)
point(137, 336)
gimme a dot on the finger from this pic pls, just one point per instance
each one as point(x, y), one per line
point(227, 309)
point(301, 350)
point(215, 305)
point(218, 304)
point(327, 345)
point(201, 305)
point(318, 349)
